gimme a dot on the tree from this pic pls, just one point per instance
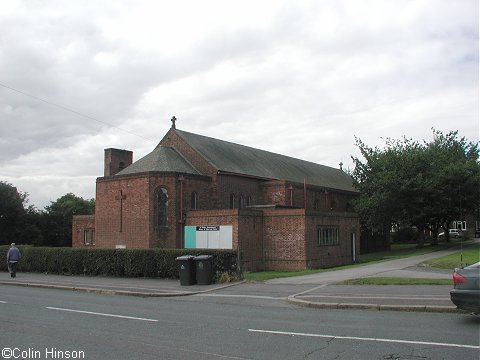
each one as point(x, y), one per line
point(16, 223)
point(11, 212)
point(425, 185)
point(57, 222)
point(457, 179)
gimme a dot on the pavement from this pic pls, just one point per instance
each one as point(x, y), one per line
point(321, 290)
point(145, 287)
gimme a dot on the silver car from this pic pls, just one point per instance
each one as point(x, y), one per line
point(452, 234)
point(466, 288)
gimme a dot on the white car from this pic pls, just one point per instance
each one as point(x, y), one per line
point(453, 233)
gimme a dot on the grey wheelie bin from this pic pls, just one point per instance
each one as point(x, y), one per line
point(203, 265)
point(186, 270)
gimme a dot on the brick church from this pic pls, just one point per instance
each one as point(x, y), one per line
point(197, 192)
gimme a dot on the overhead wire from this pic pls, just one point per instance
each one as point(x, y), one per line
point(51, 103)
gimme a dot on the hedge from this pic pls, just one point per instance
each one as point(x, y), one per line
point(150, 263)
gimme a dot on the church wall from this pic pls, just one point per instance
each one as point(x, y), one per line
point(228, 185)
point(203, 187)
point(284, 239)
point(164, 237)
point(318, 198)
point(321, 256)
point(274, 192)
point(247, 232)
point(80, 223)
point(122, 212)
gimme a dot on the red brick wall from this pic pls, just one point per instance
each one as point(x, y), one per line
point(113, 158)
point(238, 186)
point(291, 239)
point(138, 209)
point(320, 256)
point(284, 239)
point(79, 224)
point(247, 232)
point(203, 187)
point(164, 237)
point(135, 229)
point(274, 192)
point(250, 234)
point(173, 140)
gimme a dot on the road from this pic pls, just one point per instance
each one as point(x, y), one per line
point(48, 324)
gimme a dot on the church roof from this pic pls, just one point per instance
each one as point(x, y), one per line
point(165, 159)
point(239, 159)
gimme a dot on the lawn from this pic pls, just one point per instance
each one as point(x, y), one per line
point(461, 258)
point(399, 251)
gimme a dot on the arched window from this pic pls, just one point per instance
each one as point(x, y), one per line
point(249, 200)
point(241, 202)
point(121, 166)
point(232, 201)
point(161, 207)
point(315, 204)
point(193, 201)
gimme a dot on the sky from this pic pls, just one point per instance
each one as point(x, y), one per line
point(299, 78)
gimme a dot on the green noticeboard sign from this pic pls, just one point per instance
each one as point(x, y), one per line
point(208, 237)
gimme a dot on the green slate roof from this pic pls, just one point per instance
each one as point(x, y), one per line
point(234, 158)
point(164, 159)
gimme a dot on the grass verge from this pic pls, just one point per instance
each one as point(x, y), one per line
point(396, 281)
point(461, 258)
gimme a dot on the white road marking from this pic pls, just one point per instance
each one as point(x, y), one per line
point(2, 302)
point(364, 339)
point(102, 314)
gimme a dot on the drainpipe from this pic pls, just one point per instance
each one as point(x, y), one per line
point(305, 193)
point(290, 190)
point(181, 179)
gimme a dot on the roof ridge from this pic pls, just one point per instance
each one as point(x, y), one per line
point(236, 158)
point(184, 158)
point(256, 149)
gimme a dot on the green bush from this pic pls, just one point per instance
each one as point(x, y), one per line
point(150, 263)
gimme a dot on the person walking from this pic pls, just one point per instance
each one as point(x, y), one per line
point(13, 257)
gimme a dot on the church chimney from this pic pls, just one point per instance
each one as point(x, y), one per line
point(116, 160)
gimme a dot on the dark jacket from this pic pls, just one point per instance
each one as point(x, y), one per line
point(13, 254)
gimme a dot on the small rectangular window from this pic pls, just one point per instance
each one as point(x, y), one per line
point(460, 225)
point(327, 235)
point(89, 236)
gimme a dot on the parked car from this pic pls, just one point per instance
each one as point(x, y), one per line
point(453, 233)
point(466, 288)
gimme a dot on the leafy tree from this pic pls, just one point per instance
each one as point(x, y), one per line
point(425, 185)
point(12, 213)
point(57, 219)
point(18, 223)
point(457, 177)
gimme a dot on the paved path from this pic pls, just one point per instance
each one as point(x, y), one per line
point(146, 287)
point(391, 268)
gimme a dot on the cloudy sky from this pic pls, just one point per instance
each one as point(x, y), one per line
point(300, 78)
